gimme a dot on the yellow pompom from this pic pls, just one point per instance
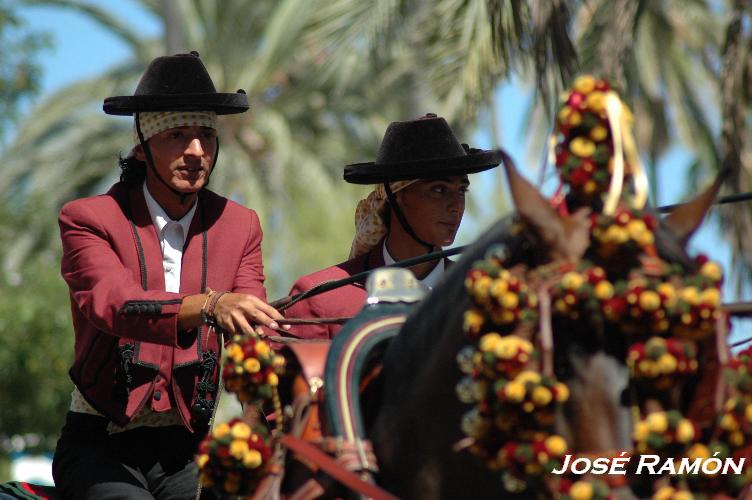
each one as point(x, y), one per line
point(667, 363)
point(596, 101)
point(645, 239)
point(221, 430)
point(541, 396)
point(712, 270)
point(235, 352)
point(556, 445)
point(572, 280)
point(473, 320)
point(251, 365)
point(657, 422)
point(598, 133)
point(252, 459)
point(690, 295)
point(736, 439)
point(278, 362)
point(616, 234)
point(584, 148)
point(711, 297)
point(262, 349)
point(514, 391)
point(728, 423)
point(584, 84)
point(604, 290)
point(507, 317)
point(581, 490)
point(562, 392)
point(489, 342)
point(636, 228)
point(641, 431)
point(238, 448)
point(698, 450)
point(506, 348)
point(649, 300)
point(509, 300)
point(528, 376)
point(685, 431)
point(564, 113)
point(241, 430)
point(202, 460)
point(667, 290)
point(272, 379)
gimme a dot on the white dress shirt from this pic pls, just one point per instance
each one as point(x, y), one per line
point(432, 277)
point(171, 238)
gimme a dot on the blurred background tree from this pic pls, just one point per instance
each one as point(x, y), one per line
point(324, 78)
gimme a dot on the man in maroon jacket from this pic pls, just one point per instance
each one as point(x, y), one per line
point(416, 207)
point(152, 266)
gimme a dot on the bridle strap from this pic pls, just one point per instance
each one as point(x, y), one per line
point(290, 300)
point(333, 469)
point(402, 219)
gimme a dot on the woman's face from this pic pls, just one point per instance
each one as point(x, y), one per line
point(434, 208)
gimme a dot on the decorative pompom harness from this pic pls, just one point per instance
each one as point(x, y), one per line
point(665, 314)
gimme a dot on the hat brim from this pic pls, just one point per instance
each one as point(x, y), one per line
point(375, 173)
point(222, 104)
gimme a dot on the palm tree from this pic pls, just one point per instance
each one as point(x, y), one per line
point(324, 79)
point(735, 154)
point(281, 159)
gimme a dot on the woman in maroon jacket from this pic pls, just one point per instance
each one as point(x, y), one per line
point(151, 266)
point(416, 207)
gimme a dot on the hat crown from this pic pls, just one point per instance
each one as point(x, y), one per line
point(426, 138)
point(175, 75)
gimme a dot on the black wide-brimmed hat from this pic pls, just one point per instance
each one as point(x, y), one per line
point(177, 83)
point(425, 148)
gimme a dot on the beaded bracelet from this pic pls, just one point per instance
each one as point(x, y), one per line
point(207, 316)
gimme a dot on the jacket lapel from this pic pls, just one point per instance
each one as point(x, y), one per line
point(147, 235)
point(192, 268)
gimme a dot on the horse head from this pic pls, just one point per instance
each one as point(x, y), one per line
point(561, 304)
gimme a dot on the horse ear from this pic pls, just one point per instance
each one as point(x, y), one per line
point(687, 217)
point(566, 238)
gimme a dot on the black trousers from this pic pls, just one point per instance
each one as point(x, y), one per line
point(144, 463)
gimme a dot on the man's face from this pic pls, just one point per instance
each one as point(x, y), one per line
point(434, 208)
point(183, 156)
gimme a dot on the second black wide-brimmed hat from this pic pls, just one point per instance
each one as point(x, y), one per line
point(425, 148)
point(177, 83)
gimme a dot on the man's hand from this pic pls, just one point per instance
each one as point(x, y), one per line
point(237, 312)
point(233, 312)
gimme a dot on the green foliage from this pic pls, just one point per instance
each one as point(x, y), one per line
point(19, 71)
point(36, 346)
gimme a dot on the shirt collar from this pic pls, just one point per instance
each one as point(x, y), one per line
point(160, 218)
point(430, 279)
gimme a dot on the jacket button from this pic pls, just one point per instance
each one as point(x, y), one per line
point(157, 395)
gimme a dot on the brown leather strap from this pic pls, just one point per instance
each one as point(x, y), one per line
point(330, 466)
point(314, 321)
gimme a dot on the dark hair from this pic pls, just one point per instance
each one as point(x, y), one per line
point(133, 170)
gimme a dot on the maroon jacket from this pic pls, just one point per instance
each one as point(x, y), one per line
point(128, 351)
point(345, 301)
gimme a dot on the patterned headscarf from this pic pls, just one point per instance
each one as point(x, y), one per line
point(369, 222)
point(154, 122)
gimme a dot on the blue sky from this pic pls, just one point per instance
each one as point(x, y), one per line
point(80, 48)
